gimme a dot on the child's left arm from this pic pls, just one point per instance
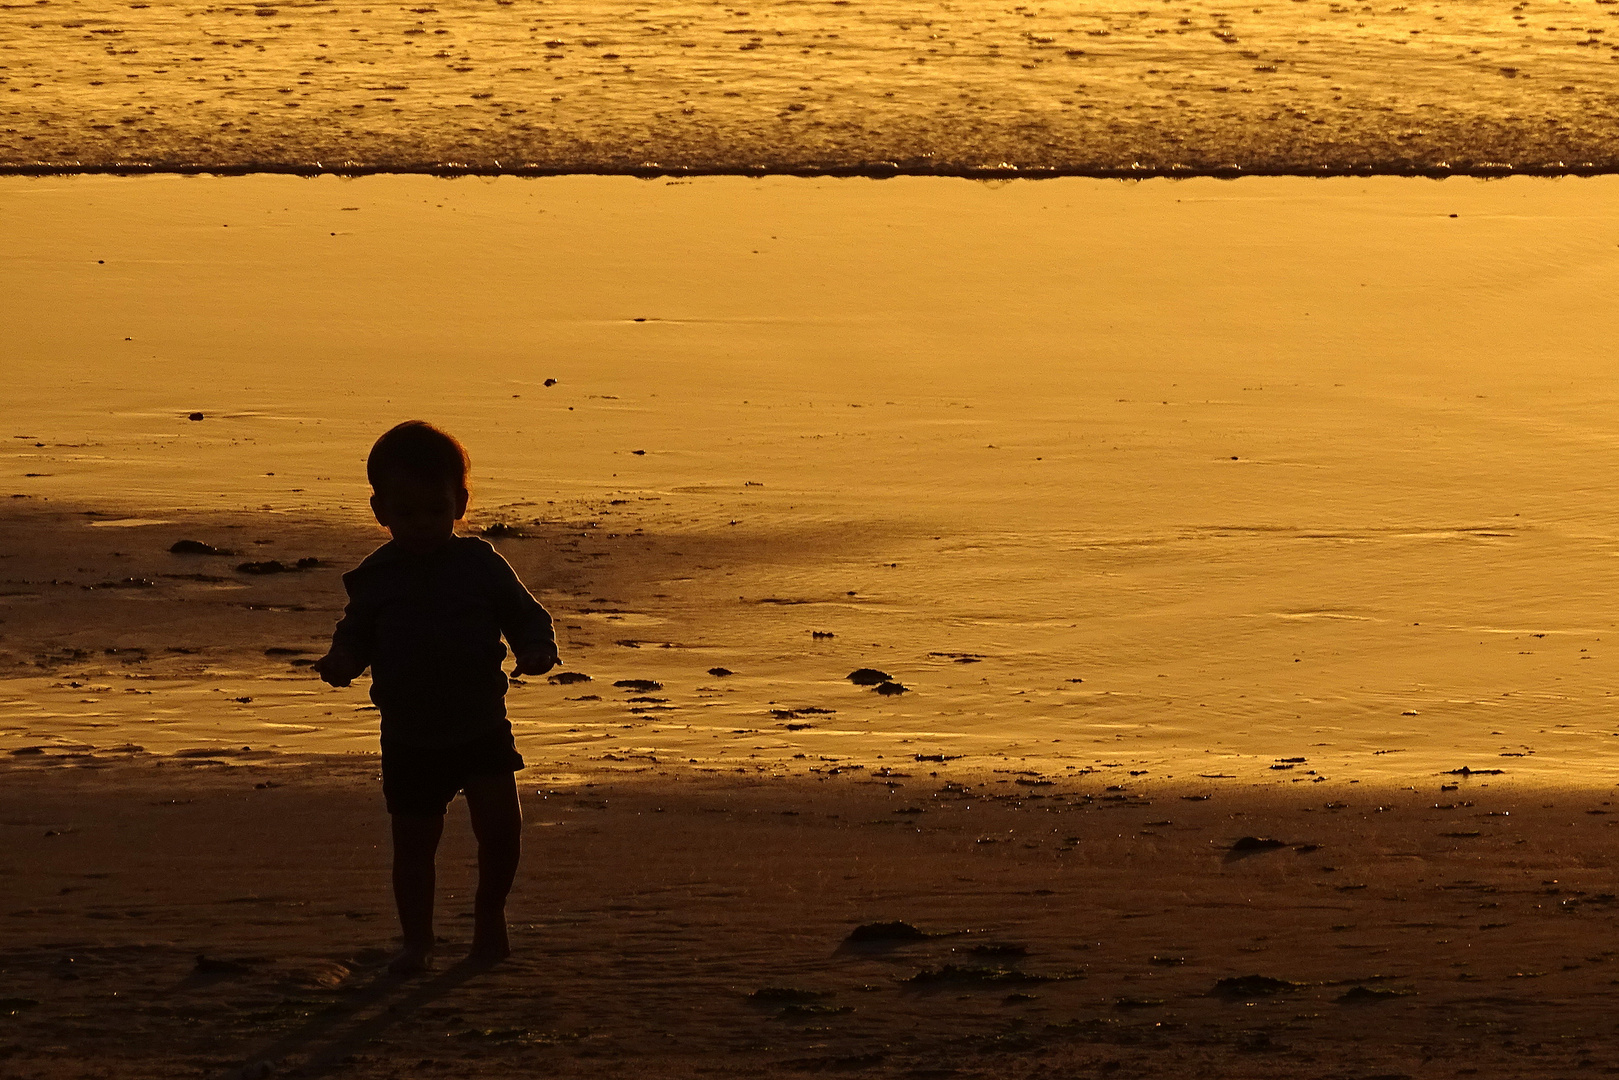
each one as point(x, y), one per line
point(527, 626)
point(537, 662)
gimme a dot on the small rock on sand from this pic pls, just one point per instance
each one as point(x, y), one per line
point(889, 689)
point(885, 933)
point(1252, 986)
point(197, 547)
point(1250, 844)
point(643, 686)
point(720, 672)
point(868, 676)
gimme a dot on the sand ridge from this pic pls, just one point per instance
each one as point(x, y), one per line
point(1306, 87)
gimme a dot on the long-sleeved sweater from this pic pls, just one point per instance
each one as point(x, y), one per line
point(429, 627)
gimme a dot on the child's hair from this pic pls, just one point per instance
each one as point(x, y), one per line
point(417, 451)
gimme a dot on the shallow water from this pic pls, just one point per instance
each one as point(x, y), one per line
point(1278, 468)
point(601, 85)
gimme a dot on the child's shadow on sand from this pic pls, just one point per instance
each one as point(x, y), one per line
point(327, 1041)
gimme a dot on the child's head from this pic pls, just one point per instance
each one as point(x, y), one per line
point(418, 477)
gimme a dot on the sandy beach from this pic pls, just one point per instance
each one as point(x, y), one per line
point(1244, 550)
point(226, 915)
point(1307, 87)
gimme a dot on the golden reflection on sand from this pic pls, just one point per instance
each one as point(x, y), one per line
point(1278, 468)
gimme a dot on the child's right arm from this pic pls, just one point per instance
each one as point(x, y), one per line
point(527, 626)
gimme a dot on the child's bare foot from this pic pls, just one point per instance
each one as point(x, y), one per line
point(490, 943)
point(412, 960)
point(483, 958)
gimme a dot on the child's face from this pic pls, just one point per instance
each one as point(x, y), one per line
point(421, 516)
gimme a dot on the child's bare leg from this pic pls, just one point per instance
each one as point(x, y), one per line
point(497, 822)
point(415, 838)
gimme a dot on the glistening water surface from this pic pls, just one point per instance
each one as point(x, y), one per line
point(579, 86)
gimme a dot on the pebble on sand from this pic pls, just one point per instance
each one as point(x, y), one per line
point(1257, 843)
point(885, 933)
point(197, 547)
point(868, 676)
point(1247, 987)
point(1252, 845)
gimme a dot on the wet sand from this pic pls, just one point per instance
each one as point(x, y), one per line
point(1278, 469)
point(1304, 87)
point(226, 916)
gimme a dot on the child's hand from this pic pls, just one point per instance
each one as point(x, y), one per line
point(537, 662)
point(338, 668)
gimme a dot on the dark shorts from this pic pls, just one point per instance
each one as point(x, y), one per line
point(422, 780)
